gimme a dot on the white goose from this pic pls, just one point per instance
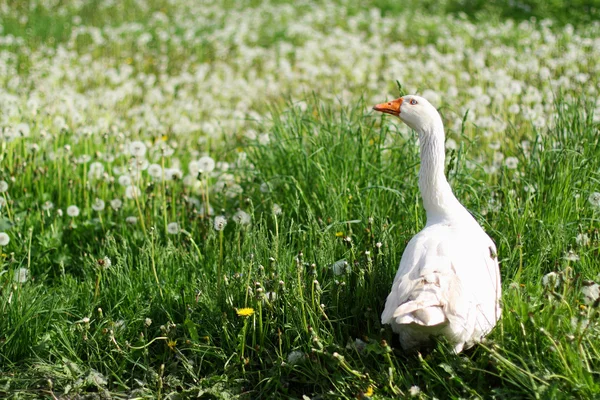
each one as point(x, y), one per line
point(448, 282)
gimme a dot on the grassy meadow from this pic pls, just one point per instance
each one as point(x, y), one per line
point(196, 200)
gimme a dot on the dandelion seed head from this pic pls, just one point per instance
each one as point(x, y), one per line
point(277, 209)
point(241, 217)
point(116, 204)
point(3, 186)
point(98, 205)
point(137, 148)
point(551, 280)
point(173, 228)
point(295, 357)
point(594, 199)
point(73, 211)
point(220, 222)
point(511, 162)
point(590, 291)
point(132, 192)
point(414, 391)
point(21, 275)
point(206, 164)
point(132, 220)
point(4, 239)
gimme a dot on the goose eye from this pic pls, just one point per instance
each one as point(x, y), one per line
point(413, 102)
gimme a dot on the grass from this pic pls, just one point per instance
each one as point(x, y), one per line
point(78, 327)
point(118, 304)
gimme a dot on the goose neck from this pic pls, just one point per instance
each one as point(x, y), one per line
point(436, 192)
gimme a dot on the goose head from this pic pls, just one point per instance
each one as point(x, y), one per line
point(414, 111)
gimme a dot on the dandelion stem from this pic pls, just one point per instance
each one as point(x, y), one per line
point(154, 265)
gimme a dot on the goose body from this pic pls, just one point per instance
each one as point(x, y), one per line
point(448, 281)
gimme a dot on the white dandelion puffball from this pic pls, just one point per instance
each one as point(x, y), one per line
point(582, 239)
point(3, 186)
point(339, 267)
point(414, 391)
point(155, 171)
point(116, 204)
point(571, 256)
point(295, 357)
point(206, 164)
point(4, 239)
point(511, 162)
point(3, 202)
point(137, 148)
point(173, 228)
point(72, 211)
point(21, 275)
point(551, 280)
point(241, 217)
point(124, 180)
point(220, 222)
point(47, 206)
point(98, 205)
point(132, 192)
point(277, 209)
point(594, 199)
point(132, 220)
point(590, 291)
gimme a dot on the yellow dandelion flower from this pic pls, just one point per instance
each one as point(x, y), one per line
point(172, 344)
point(245, 312)
point(369, 391)
point(339, 234)
point(582, 306)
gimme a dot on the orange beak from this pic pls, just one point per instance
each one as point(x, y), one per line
point(391, 107)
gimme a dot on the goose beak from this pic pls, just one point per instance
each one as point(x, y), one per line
point(391, 107)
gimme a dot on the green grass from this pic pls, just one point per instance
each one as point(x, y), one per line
point(336, 173)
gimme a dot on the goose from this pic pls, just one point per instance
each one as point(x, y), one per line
point(448, 281)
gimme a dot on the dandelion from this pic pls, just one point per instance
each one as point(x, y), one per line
point(98, 205)
point(73, 211)
point(147, 322)
point(155, 171)
point(105, 262)
point(116, 204)
point(571, 256)
point(369, 392)
point(4, 239)
point(590, 291)
point(173, 228)
point(96, 170)
point(132, 220)
point(551, 280)
point(124, 180)
point(582, 239)
point(132, 192)
point(220, 222)
point(339, 267)
point(206, 164)
point(241, 217)
point(295, 357)
point(137, 149)
point(245, 312)
point(3, 186)
point(414, 391)
point(277, 209)
point(511, 162)
point(594, 199)
point(47, 206)
point(21, 275)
